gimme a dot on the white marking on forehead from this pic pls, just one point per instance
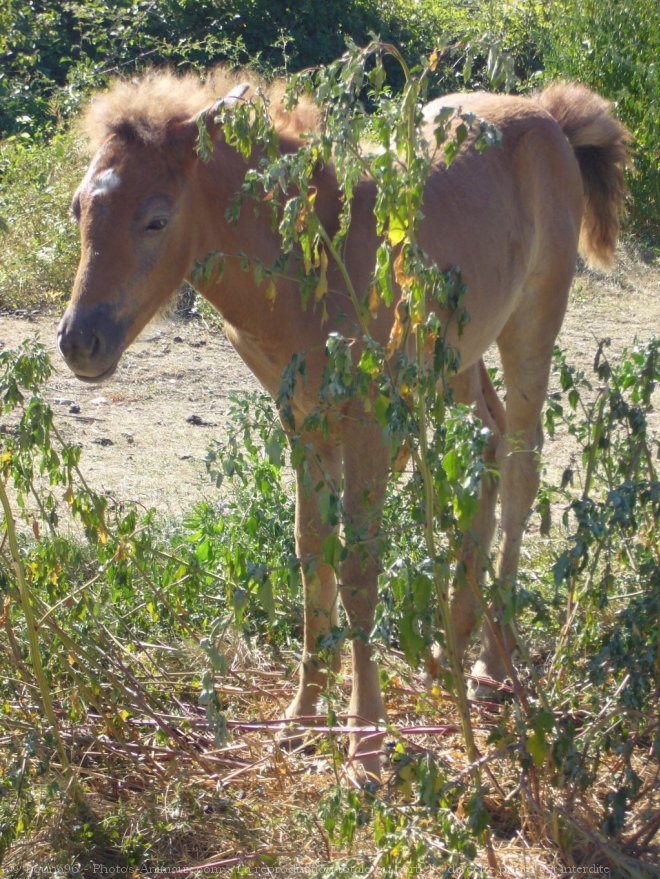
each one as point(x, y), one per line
point(91, 171)
point(105, 182)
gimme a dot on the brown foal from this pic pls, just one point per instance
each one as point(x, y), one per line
point(513, 219)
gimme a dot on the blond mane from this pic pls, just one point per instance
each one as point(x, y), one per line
point(144, 108)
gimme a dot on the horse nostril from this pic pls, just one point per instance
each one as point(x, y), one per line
point(78, 346)
point(64, 344)
point(94, 346)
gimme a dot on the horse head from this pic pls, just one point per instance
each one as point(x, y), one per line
point(136, 210)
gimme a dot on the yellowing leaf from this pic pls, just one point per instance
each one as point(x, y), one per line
point(404, 780)
point(417, 313)
point(398, 333)
point(402, 458)
point(306, 209)
point(271, 294)
point(396, 230)
point(322, 284)
point(306, 252)
point(403, 279)
point(538, 748)
point(374, 302)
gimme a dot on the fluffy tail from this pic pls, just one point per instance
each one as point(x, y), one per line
point(600, 144)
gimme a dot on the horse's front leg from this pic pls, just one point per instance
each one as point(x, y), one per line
point(366, 464)
point(319, 472)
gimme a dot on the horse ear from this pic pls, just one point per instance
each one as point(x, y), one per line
point(187, 133)
point(229, 100)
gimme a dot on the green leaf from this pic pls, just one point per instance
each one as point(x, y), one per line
point(537, 748)
point(265, 596)
point(451, 464)
point(332, 550)
point(544, 722)
point(422, 587)
point(275, 451)
point(381, 408)
point(412, 643)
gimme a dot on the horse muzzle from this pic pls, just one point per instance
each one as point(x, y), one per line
point(91, 343)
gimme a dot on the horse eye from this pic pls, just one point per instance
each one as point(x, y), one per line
point(157, 224)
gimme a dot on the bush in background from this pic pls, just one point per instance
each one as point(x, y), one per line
point(613, 47)
point(39, 237)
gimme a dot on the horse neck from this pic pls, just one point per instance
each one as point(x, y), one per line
point(237, 296)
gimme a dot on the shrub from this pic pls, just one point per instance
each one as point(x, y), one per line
point(613, 47)
point(38, 237)
point(136, 642)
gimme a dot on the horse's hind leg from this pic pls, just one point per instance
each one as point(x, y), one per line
point(319, 472)
point(474, 386)
point(525, 344)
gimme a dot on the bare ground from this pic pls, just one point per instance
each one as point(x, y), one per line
point(145, 432)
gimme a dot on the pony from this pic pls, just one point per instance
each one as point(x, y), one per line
point(513, 219)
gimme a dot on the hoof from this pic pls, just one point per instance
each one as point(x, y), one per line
point(436, 667)
point(365, 771)
point(484, 688)
point(291, 740)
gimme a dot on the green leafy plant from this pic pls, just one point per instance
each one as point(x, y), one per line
point(134, 630)
point(86, 668)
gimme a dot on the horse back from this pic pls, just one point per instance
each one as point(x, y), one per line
point(505, 216)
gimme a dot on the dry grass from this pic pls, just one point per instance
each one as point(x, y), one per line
point(161, 794)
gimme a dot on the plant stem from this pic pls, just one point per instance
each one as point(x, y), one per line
point(35, 651)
